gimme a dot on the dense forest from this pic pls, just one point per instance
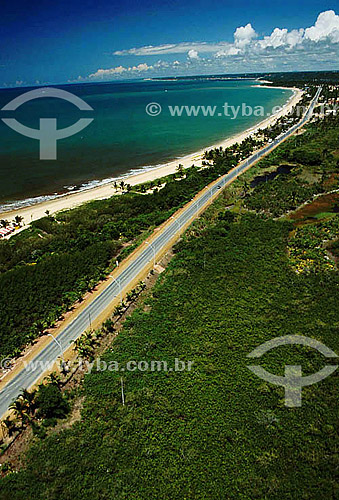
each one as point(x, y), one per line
point(291, 79)
point(303, 78)
point(298, 78)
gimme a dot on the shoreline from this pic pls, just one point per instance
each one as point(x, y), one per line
point(105, 190)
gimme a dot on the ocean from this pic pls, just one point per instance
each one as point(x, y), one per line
point(122, 138)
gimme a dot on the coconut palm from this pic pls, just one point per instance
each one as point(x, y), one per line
point(53, 378)
point(29, 399)
point(180, 170)
point(18, 219)
point(4, 223)
point(20, 409)
point(40, 326)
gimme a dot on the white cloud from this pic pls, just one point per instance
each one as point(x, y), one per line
point(229, 51)
point(162, 64)
point(102, 73)
point(327, 25)
point(282, 37)
point(119, 70)
point(243, 35)
point(193, 54)
point(246, 39)
point(140, 67)
point(174, 48)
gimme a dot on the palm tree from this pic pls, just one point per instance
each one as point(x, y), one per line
point(180, 170)
point(29, 399)
point(53, 378)
point(4, 223)
point(122, 184)
point(40, 326)
point(20, 409)
point(115, 186)
point(108, 325)
point(18, 219)
point(142, 285)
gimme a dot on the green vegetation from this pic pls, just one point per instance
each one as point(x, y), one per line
point(50, 402)
point(47, 268)
point(316, 170)
point(302, 78)
point(307, 247)
point(216, 428)
point(39, 409)
point(285, 192)
point(34, 297)
point(87, 342)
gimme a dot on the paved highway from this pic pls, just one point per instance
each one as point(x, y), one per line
point(29, 375)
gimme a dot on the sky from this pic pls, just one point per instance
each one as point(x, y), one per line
point(44, 42)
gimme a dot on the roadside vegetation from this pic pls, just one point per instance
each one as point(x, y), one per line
point(43, 407)
point(38, 409)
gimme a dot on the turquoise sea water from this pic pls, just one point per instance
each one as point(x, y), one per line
point(122, 137)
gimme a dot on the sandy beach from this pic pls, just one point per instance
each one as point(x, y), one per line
point(71, 200)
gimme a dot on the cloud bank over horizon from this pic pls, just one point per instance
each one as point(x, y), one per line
point(307, 48)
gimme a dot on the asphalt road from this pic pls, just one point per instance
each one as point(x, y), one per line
point(33, 371)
